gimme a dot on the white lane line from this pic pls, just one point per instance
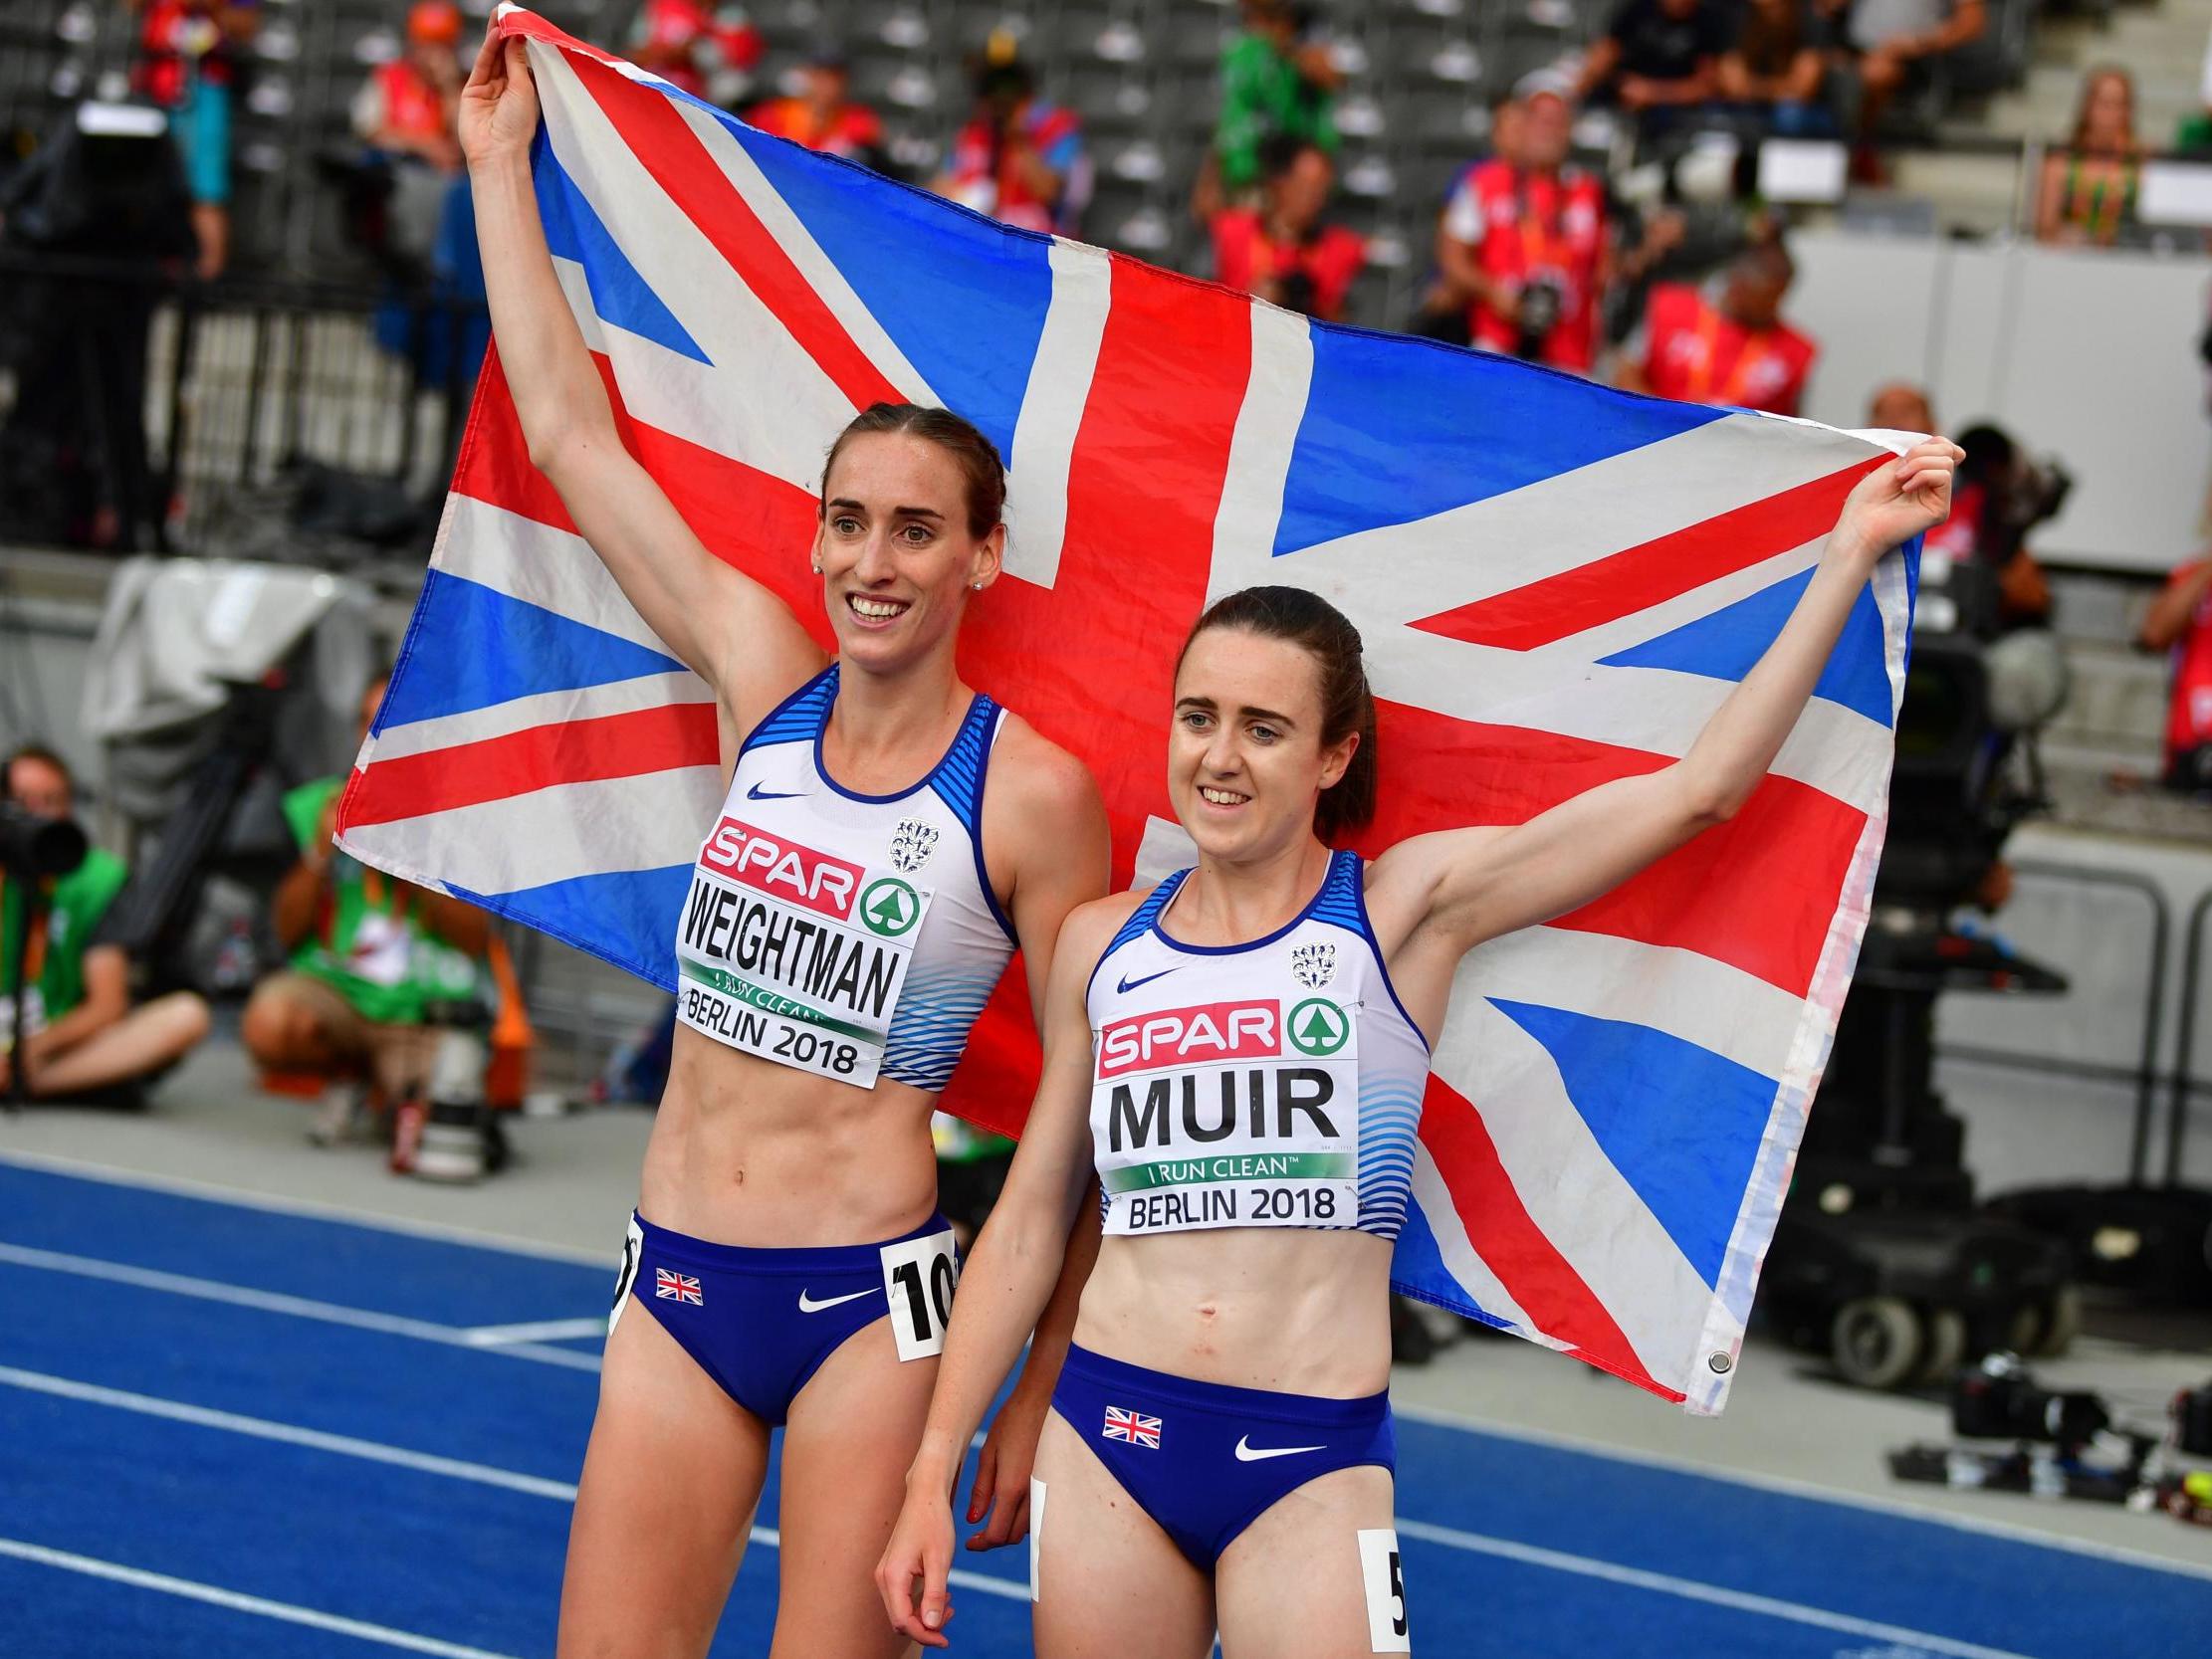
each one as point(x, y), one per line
point(1455, 1422)
point(272, 1203)
point(1691, 1589)
point(374, 1451)
point(1459, 1422)
point(1688, 1589)
point(215, 1596)
point(272, 1302)
point(291, 1434)
point(542, 1330)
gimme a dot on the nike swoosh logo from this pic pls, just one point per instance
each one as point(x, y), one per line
point(1250, 1454)
point(808, 1305)
point(1126, 984)
point(756, 793)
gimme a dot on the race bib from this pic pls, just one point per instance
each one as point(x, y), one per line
point(793, 955)
point(1229, 1114)
point(918, 1281)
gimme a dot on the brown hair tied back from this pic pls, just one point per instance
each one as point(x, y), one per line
point(1326, 634)
point(977, 456)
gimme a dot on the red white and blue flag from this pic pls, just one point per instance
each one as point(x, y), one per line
point(1132, 1426)
point(1557, 582)
point(677, 1287)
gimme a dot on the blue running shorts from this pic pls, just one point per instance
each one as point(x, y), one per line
point(1206, 1460)
point(762, 1322)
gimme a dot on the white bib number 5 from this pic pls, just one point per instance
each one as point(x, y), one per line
point(918, 1281)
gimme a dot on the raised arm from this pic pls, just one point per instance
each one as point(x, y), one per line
point(729, 630)
point(1010, 1274)
point(1449, 892)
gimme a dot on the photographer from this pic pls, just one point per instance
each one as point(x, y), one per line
point(1282, 251)
point(1019, 159)
point(1522, 243)
point(1735, 349)
point(1277, 82)
point(370, 954)
point(81, 1038)
point(2180, 622)
point(2002, 494)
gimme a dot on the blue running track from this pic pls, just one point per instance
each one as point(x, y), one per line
point(228, 1430)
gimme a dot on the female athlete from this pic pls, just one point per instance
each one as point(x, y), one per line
point(1241, 1055)
point(888, 837)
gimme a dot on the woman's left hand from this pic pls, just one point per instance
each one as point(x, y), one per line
point(1002, 1470)
point(1900, 499)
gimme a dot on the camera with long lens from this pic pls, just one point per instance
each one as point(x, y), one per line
point(1543, 302)
point(2000, 1400)
point(32, 847)
point(2038, 491)
point(2192, 1420)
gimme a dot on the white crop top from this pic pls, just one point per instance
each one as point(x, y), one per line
point(1276, 1083)
point(850, 935)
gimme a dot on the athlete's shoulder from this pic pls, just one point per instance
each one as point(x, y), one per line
point(1090, 928)
point(1041, 781)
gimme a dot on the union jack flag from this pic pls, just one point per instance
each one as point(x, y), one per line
point(677, 1287)
point(1557, 583)
point(1132, 1426)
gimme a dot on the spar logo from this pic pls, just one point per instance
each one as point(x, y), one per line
point(785, 870)
point(1318, 1027)
point(889, 907)
point(1196, 1036)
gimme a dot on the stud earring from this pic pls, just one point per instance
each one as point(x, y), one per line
point(817, 569)
point(977, 586)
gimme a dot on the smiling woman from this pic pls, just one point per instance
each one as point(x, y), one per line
point(888, 838)
point(1241, 1055)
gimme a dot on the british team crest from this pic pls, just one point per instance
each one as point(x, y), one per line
point(911, 845)
point(1314, 964)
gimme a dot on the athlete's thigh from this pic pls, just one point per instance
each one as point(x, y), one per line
point(1297, 1584)
point(1109, 1582)
point(847, 1441)
point(664, 1506)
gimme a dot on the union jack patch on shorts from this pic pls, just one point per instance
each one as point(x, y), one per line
point(1132, 1426)
point(677, 1287)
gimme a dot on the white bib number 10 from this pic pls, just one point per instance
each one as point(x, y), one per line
point(918, 1281)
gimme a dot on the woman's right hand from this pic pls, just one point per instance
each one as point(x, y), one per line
point(921, 1548)
point(499, 107)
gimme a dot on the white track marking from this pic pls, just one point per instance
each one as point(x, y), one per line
point(1452, 1422)
point(372, 1451)
point(290, 1434)
point(1451, 1538)
point(1689, 1590)
point(272, 1203)
point(539, 1330)
point(274, 1302)
point(216, 1596)
point(1787, 1487)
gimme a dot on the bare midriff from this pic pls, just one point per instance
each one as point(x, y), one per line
point(1288, 1309)
point(746, 1152)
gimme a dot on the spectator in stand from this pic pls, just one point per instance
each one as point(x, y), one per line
point(1901, 406)
point(2089, 188)
point(82, 1039)
point(1896, 43)
point(1732, 350)
point(1774, 71)
point(1522, 242)
point(820, 115)
point(1282, 251)
point(1658, 61)
point(370, 954)
point(188, 52)
point(2180, 622)
point(1277, 81)
point(405, 112)
point(695, 44)
point(1018, 158)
